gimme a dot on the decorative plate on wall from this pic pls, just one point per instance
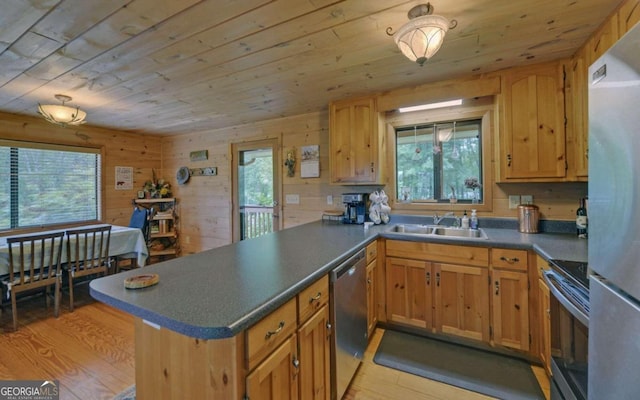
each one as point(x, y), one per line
point(182, 176)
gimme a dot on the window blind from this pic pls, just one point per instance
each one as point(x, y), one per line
point(43, 184)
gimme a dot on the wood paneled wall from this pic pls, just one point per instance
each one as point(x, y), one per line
point(205, 202)
point(142, 152)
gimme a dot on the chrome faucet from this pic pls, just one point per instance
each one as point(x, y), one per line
point(437, 220)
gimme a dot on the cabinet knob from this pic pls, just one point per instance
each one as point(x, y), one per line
point(508, 160)
point(497, 288)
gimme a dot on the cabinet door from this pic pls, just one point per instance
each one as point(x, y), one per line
point(510, 309)
point(353, 141)
point(276, 378)
point(314, 339)
point(577, 116)
point(545, 322)
point(628, 16)
point(461, 301)
point(409, 299)
point(372, 315)
point(533, 135)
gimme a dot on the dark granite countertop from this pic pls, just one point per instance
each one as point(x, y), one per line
point(220, 292)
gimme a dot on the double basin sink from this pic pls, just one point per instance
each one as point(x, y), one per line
point(439, 231)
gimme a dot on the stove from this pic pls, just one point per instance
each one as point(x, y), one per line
point(575, 271)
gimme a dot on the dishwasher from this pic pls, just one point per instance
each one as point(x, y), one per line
point(349, 318)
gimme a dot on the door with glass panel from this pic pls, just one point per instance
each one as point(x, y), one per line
point(256, 205)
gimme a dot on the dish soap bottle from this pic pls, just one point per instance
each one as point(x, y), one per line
point(473, 221)
point(464, 223)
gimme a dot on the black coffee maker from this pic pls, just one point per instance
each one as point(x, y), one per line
point(355, 207)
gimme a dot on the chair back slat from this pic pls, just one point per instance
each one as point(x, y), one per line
point(35, 259)
point(88, 250)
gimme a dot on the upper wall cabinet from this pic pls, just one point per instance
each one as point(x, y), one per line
point(577, 110)
point(355, 142)
point(532, 142)
point(628, 16)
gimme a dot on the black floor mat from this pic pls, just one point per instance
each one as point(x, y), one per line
point(477, 370)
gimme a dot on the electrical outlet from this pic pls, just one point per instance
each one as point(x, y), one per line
point(526, 199)
point(330, 199)
point(292, 199)
point(514, 201)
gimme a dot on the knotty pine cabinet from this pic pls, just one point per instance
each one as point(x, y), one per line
point(462, 301)
point(356, 142)
point(532, 131)
point(472, 292)
point(544, 318)
point(437, 287)
point(299, 367)
point(372, 288)
point(510, 298)
point(409, 293)
point(577, 111)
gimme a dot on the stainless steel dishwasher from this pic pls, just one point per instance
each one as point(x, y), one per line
point(349, 317)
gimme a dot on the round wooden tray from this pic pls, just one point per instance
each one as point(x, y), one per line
point(141, 281)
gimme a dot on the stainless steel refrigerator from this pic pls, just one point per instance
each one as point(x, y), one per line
point(614, 221)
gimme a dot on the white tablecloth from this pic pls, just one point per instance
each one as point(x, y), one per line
point(123, 240)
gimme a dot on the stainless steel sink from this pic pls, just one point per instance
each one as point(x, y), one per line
point(417, 229)
point(459, 232)
point(440, 231)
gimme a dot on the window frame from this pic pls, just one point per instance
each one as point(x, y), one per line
point(481, 108)
point(100, 196)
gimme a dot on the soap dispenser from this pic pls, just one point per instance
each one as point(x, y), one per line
point(473, 221)
point(465, 220)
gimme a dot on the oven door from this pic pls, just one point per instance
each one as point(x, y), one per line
point(569, 344)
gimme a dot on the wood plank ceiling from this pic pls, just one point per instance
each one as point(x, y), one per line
point(179, 66)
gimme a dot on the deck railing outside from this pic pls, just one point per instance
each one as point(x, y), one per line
point(255, 221)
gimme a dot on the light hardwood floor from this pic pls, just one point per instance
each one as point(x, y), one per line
point(91, 353)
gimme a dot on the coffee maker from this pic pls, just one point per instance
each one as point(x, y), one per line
point(355, 207)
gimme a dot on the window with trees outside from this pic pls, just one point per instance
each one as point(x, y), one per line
point(43, 184)
point(438, 162)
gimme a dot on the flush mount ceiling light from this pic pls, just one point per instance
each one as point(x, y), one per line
point(421, 37)
point(61, 114)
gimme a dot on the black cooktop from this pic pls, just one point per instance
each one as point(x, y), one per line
point(574, 270)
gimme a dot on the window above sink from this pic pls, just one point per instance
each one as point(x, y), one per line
point(440, 159)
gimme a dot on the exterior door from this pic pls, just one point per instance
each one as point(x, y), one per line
point(256, 188)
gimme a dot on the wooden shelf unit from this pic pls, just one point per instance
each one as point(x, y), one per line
point(162, 225)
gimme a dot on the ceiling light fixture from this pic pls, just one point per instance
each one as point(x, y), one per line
point(421, 37)
point(61, 114)
point(431, 106)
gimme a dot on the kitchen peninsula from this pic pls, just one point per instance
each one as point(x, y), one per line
point(190, 340)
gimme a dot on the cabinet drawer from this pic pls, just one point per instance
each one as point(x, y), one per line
point(313, 298)
point(269, 332)
point(467, 255)
point(509, 259)
point(372, 251)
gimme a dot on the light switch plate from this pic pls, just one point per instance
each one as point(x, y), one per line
point(514, 201)
point(526, 199)
point(329, 199)
point(292, 199)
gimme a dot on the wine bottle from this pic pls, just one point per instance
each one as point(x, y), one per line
point(581, 220)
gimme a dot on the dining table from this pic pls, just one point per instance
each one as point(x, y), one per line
point(124, 240)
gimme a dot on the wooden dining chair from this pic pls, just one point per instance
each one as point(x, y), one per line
point(34, 262)
point(88, 254)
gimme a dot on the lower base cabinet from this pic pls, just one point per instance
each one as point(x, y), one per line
point(461, 301)
point(409, 297)
point(277, 376)
point(510, 309)
point(314, 344)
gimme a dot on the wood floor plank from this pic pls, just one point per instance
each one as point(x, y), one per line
point(91, 352)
